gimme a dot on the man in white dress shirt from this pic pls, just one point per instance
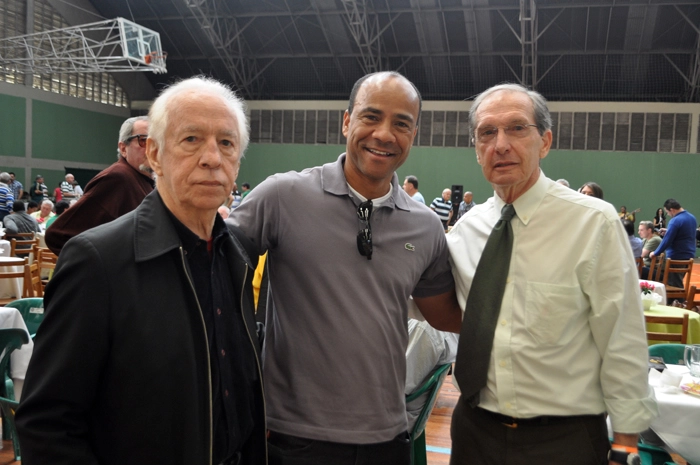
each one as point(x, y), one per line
point(569, 344)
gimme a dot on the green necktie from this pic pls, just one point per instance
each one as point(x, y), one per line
point(483, 307)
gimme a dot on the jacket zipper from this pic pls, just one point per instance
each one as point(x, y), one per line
point(211, 408)
point(257, 361)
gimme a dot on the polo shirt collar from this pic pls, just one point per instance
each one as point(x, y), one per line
point(527, 204)
point(333, 181)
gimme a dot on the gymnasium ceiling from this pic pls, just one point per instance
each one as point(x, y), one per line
point(573, 50)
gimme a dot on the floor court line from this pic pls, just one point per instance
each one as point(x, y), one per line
point(439, 450)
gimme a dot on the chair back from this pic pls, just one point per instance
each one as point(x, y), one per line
point(36, 288)
point(671, 353)
point(431, 386)
point(681, 267)
point(22, 248)
point(10, 270)
point(32, 311)
point(655, 267)
point(640, 264)
point(47, 263)
point(668, 320)
point(11, 339)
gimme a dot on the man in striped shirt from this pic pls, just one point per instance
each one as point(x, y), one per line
point(443, 207)
point(7, 199)
point(67, 190)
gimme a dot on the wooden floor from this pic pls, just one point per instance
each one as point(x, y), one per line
point(438, 429)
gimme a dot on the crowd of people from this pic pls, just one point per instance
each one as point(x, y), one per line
point(150, 350)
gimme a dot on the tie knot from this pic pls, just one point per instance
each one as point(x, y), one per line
point(507, 212)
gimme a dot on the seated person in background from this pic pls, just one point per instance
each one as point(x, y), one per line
point(61, 206)
point(32, 207)
point(635, 242)
point(427, 349)
point(19, 222)
point(592, 189)
point(224, 211)
point(44, 213)
point(650, 241)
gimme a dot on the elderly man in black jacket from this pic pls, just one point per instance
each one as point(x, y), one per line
point(148, 351)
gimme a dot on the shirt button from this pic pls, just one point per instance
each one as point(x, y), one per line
point(223, 353)
point(503, 363)
point(218, 311)
point(509, 405)
point(508, 280)
point(504, 322)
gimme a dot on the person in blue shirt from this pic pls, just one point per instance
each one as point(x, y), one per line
point(679, 240)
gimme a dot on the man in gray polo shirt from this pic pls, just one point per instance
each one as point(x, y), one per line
point(334, 356)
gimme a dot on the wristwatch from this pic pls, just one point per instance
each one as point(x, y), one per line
point(624, 457)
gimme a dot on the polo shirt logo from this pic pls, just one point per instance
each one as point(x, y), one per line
point(410, 247)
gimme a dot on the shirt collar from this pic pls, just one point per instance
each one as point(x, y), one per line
point(333, 181)
point(527, 204)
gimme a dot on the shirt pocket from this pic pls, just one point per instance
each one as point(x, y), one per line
point(549, 308)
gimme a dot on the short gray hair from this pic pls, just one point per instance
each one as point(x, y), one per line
point(127, 128)
point(543, 119)
point(49, 202)
point(5, 177)
point(161, 108)
point(647, 224)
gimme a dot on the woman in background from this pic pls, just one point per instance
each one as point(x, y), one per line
point(592, 189)
point(660, 219)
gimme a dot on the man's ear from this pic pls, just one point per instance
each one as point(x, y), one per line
point(153, 155)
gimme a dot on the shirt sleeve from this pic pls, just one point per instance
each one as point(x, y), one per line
point(618, 329)
point(258, 215)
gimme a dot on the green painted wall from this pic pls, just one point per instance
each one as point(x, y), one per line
point(635, 179)
point(65, 133)
point(12, 126)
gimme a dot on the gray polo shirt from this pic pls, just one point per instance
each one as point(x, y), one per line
point(334, 356)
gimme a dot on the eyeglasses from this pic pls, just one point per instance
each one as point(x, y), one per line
point(516, 131)
point(140, 137)
point(364, 237)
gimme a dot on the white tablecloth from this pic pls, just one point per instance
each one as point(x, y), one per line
point(12, 287)
point(42, 238)
point(679, 417)
point(659, 288)
point(11, 318)
point(5, 248)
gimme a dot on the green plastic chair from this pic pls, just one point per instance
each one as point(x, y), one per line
point(32, 310)
point(652, 455)
point(432, 387)
point(10, 340)
point(671, 353)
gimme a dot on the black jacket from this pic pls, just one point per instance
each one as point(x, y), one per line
point(120, 369)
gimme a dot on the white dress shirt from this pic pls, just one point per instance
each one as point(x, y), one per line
point(570, 337)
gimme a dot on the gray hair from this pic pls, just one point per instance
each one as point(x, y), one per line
point(49, 202)
point(563, 182)
point(5, 177)
point(162, 107)
point(543, 119)
point(647, 224)
point(127, 128)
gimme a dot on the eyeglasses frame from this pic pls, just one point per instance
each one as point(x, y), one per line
point(138, 137)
